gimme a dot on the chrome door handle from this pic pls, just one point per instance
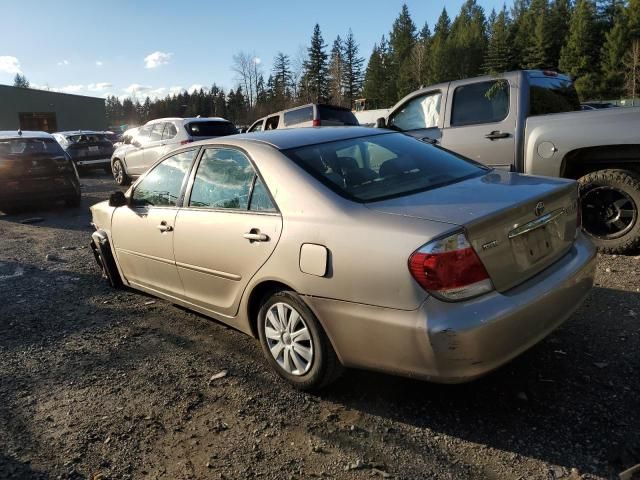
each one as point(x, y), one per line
point(256, 237)
point(496, 134)
point(163, 227)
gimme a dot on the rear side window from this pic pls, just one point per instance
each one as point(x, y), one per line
point(170, 131)
point(336, 115)
point(483, 102)
point(299, 115)
point(210, 129)
point(376, 167)
point(552, 95)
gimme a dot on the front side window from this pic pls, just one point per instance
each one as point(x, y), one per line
point(482, 102)
point(420, 112)
point(142, 136)
point(389, 165)
point(161, 186)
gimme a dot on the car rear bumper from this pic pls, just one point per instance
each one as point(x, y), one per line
point(34, 189)
point(98, 162)
point(457, 342)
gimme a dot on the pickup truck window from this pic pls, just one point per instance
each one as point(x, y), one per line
point(552, 95)
point(299, 115)
point(419, 112)
point(482, 102)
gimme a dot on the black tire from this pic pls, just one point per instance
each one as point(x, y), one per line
point(107, 264)
point(610, 209)
point(73, 202)
point(324, 366)
point(119, 173)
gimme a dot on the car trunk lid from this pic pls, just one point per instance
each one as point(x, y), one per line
point(518, 225)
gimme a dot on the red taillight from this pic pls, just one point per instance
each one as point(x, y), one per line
point(184, 142)
point(450, 269)
point(315, 123)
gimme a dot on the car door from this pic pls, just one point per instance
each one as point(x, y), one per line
point(226, 232)
point(143, 231)
point(156, 146)
point(134, 157)
point(482, 122)
point(420, 116)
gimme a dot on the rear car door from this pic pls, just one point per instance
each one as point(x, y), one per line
point(420, 116)
point(134, 158)
point(226, 232)
point(156, 146)
point(482, 120)
point(142, 232)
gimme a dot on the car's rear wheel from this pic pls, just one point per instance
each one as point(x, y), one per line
point(119, 173)
point(295, 344)
point(610, 206)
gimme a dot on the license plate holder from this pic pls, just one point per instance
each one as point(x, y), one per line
point(538, 244)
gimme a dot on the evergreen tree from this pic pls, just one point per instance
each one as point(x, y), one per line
point(374, 79)
point(498, 58)
point(20, 81)
point(612, 56)
point(402, 40)
point(559, 16)
point(579, 55)
point(352, 73)
point(281, 81)
point(441, 70)
point(536, 53)
point(521, 31)
point(336, 72)
point(421, 57)
point(468, 40)
point(633, 16)
point(315, 70)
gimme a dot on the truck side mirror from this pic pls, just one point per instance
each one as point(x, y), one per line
point(381, 123)
point(117, 199)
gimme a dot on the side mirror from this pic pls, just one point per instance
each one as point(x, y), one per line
point(117, 199)
point(381, 123)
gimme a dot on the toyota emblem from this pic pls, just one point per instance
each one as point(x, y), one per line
point(539, 210)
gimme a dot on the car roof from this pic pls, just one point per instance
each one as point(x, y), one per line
point(24, 134)
point(80, 132)
point(187, 119)
point(287, 138)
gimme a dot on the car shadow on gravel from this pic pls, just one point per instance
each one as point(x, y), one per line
point(568, 401)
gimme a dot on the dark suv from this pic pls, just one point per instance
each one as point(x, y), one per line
point(34, 167)
point(87, 149)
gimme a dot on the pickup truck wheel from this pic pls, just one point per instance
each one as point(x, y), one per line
point(119, 173)
point(610, 204)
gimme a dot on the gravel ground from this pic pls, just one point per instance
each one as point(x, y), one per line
point(98, 383)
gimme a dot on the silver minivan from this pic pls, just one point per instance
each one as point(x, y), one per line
point(311, 115)
point(148, 143)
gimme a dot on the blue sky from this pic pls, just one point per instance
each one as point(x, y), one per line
point(157, 47)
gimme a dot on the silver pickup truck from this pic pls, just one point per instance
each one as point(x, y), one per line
point(531, 122)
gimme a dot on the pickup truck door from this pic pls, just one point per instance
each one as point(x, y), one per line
point(481, 121)
point(421, 116)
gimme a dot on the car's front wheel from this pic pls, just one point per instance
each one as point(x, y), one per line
point(295, 344)
point(610, 205)
point(119, 173)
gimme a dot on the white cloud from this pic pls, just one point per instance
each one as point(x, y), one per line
point(63, 63)
point(98, 87)
point(9, 64)
point(175, 90)
point(194, 88)
point(71, 89)
point(156, 59)
point(99, 63)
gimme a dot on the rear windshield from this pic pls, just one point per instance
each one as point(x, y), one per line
point(552, 95)
point(87, 138)
point(382, 166)
point(14, 148)
point(338, 115)
point(210, 129)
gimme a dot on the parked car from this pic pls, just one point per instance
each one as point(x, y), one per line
point(34, 167)
point(148, 143)
point(87, 148)
point(353, 247)
point(530, 122)
point(113, 137)
point(312, 115)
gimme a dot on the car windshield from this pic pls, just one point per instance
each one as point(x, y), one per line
point(340, 115)
point(377, 167)
point(16, 147)
point(210, 129)
point(552, 95)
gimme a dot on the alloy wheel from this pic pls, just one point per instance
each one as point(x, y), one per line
point(608, 212)
point(288, 339)
point(118, 172)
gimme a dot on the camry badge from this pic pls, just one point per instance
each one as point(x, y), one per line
point(490, 245)
point(539, 210)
